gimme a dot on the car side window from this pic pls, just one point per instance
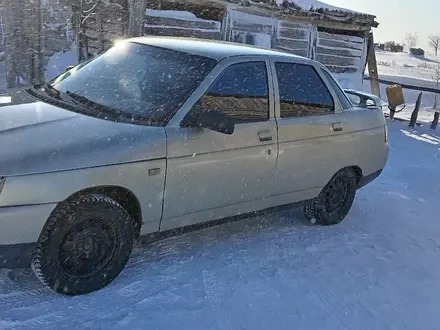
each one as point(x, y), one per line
point(343, 99)
point(302, 91)
point(240, 91)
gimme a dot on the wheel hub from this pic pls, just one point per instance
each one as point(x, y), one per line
point(86, 249)
point(335, 195)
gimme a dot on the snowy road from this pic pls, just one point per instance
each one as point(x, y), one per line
point(379, 269)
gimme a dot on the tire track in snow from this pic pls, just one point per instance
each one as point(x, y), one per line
point(211, 287)
point(39, 322)
point(330, 304)
point(23, 289)
point(23, 298)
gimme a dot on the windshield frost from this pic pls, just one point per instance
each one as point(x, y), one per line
point(141, 81)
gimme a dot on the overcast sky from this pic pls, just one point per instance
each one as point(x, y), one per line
point(396, 17)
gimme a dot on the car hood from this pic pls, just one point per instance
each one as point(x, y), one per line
point(36, 137)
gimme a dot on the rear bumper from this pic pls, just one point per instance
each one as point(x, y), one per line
point(367, 179)
point(17, 255)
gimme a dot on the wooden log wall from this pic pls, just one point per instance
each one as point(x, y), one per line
point(295, 38)
point(102, 29)
point(159, 23)
point(341, 53)
point(249, 29)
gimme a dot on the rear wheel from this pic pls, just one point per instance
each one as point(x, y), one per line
point(335, 200)
point(84, 245)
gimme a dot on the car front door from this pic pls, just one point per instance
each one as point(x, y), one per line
point(211, 175)
point(310, 127)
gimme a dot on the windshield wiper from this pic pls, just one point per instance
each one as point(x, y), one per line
point(55, 93)
point(85, 101)
point(49, 89)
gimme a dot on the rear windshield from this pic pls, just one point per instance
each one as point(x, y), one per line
point(142, 81)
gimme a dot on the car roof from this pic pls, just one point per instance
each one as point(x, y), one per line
point(217, 50)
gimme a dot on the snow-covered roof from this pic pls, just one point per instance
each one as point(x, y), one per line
point(314, 8)
point(314, 5)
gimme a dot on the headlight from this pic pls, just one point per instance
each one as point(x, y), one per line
point(2, 183)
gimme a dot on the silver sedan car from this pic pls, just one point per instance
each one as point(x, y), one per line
point(162, 133)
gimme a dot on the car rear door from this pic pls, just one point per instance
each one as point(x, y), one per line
point(310, 129)
point(212, 175)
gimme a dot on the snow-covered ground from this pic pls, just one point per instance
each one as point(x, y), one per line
point(379, 269)
point(407, 65)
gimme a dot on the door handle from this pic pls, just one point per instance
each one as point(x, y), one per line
point(337, 127)
point(265, 136)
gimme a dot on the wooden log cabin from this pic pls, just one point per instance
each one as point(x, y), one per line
point(335, 37)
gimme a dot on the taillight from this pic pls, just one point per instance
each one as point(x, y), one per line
point(385, 128)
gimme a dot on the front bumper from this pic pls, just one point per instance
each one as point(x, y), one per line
point(20, 227)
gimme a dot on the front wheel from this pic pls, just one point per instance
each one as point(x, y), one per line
point(335, 200)
point(84, 245)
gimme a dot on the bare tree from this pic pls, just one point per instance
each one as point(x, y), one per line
point(434, 42)
point(411, 40)
point(94, 8)
point(23, 43)
point(393, 46)
point(436, 79)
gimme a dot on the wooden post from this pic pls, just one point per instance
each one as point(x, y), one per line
point(435, 121)
point(392, 112)
point(13, 32)
point(372, 67)
point(137, 10)
point(415, 113)
point(39, 69)
point(100, 28)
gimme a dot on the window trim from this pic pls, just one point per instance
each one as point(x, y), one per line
point(269, 89)
point(205, 85)
point(276, 90)
point(325, 70)
point(334, 107)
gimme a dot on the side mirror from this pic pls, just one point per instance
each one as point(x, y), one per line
point(364, 100)
point(213, 120)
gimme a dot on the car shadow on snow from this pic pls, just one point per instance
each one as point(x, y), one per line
point(17, 285)
point(241, 227)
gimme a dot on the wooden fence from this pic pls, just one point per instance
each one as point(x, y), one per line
point(416, 110)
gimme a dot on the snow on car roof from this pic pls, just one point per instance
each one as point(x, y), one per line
point(209, 48)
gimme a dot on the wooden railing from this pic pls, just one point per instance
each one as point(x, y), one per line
point(415, 112)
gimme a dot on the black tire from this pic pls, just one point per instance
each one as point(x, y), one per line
point(335, 200)
point(84, 245)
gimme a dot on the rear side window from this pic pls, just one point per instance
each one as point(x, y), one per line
point(345, 102)
point(302, 91)
point(241, 91)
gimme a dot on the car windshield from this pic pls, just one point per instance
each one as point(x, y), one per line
point(136, 81)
